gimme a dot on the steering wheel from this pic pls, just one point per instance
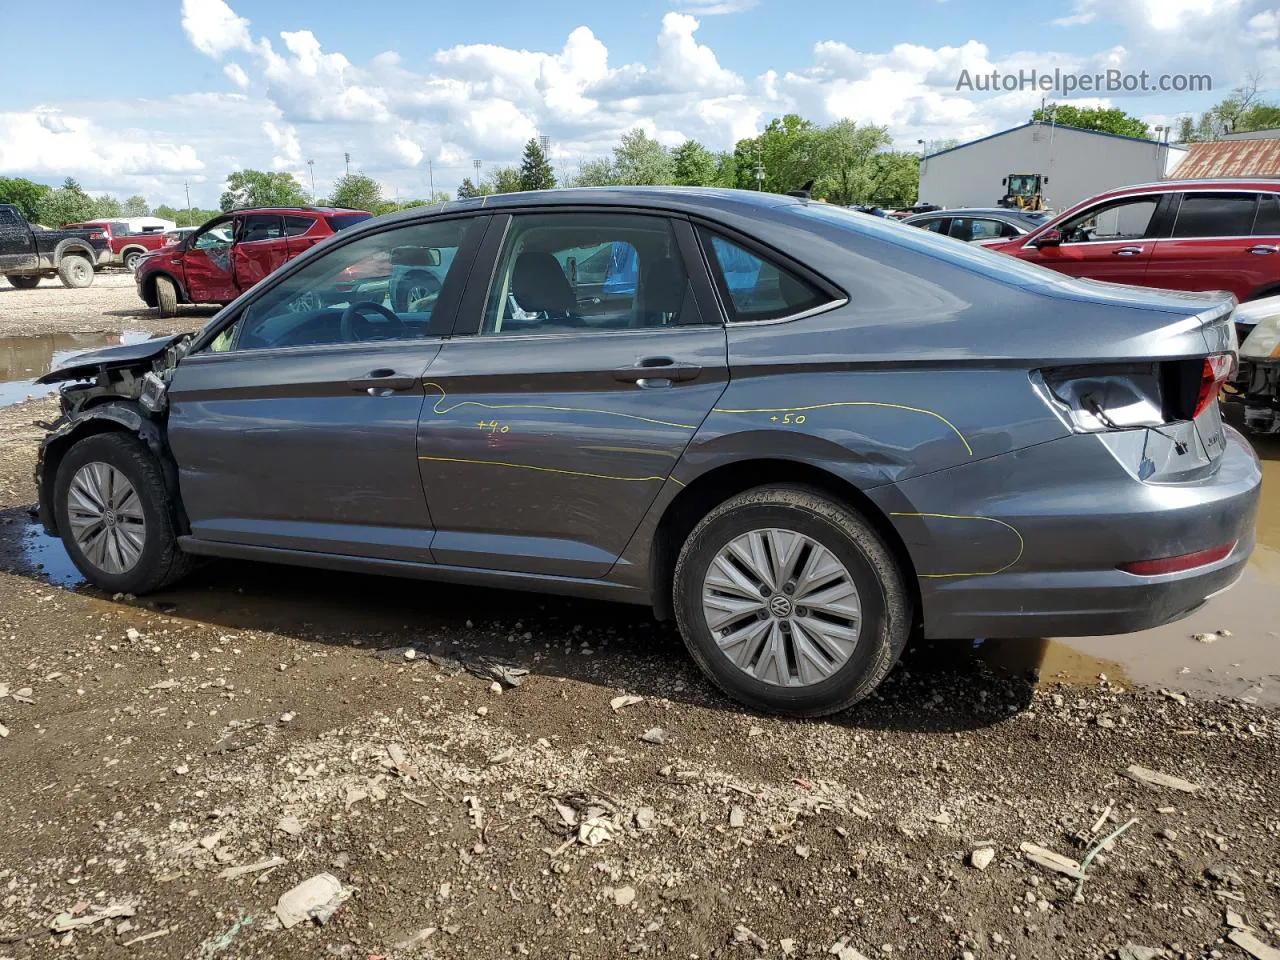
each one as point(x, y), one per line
point(353, 331)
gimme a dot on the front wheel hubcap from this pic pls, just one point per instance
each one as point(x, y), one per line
point(781, 607)
point(106, 518)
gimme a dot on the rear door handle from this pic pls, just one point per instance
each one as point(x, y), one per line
point(657, 368)
point(382, 382)
point(1127, 251)
point(1262, 249)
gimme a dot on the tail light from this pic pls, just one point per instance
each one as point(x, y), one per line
point(96, 236)
point(1217, 370)
point(1185, 561)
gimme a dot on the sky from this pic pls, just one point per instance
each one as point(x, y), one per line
point(160, 97)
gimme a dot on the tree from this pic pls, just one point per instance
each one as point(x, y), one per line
point(184, 217)
point(357, 192)
point(641, 160)
point(595, 173)
point(535, 169)
point(22, 193)
point(468, 190)
point(1092, 118)
point(894, 179)
point(693, 165)
point(844, 173)
point(67, 204)
point(505, 180)
point(136, 206)
point(257, 188)
point(788, 150)
point(1238, 113)
point(106, 207)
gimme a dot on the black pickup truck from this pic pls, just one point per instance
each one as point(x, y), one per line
point(29, 253)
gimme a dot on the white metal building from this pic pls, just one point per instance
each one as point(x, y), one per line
point(1079, 163)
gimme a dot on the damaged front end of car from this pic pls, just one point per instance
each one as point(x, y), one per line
point(1257, 387)
point(120, 389)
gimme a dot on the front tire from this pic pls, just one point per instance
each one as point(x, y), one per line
point(166, 297)
point(114, 515)
point(790, 601)
point(75, 271)
point(23, 281)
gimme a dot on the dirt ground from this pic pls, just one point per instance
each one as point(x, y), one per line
point(110, 303)
point(299, 723)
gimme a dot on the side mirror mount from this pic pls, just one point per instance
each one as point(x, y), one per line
point(1050, 238)
point(1046, 181)
point(1004, 181)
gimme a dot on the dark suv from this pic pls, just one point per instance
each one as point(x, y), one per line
point(231, 253)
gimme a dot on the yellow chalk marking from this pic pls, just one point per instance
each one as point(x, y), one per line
point(526, 466)
point(984, 573)
point(437, 409)
point(855, 403)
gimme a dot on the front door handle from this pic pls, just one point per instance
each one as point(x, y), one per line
point(1127, 251)
point(382, 382)
point(657, 368)
point(1262, 249)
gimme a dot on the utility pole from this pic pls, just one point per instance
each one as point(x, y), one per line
point(759, 171)
point(312, 165)
point(431, 179)
point(187, 186)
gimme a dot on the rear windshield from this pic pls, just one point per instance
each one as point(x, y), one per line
point(340, 221)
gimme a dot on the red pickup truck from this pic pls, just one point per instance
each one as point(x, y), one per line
point(232, 252)
point(126, 247)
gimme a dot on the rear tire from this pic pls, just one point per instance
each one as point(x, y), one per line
point(166, 297)
point(827, 658)
point(132, 260)
point(75, 271)
point(23, 281)
point(138, 495)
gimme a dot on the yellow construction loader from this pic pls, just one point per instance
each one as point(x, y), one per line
point(1024, 191)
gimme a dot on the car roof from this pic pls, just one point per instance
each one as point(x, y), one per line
point(1214, 183)
point(321, 210)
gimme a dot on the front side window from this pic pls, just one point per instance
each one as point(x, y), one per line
point(1112, 222)
point(579, 272)
point(935, 225)
point(755, 288)
point(1215, 215)
point(381, 287)
point(1267, 222)
point(219, 235)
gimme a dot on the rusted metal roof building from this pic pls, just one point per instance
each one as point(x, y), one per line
point(1236, 157)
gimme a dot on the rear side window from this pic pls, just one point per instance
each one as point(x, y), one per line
point(935, 225)
point(754, 287)
point(260, 227)
point(340, 221)
point(1215, 215)
point(1267, 222)
point(296, 226)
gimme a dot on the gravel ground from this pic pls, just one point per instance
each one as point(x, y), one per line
point(111, 302)
point(606, 803)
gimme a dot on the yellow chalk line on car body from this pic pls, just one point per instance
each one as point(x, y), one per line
point(436, 409)
point(1022, 545)
point(528, 466)
point(855, 403)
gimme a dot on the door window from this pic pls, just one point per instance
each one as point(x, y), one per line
point(381, 287)
point(577, 272)
point(1267, 222)
point(1121, 220)
point(1215, 215)
point(219, 235)
point(260, 227)
point(935, 225)
point(296, 226)
point(755, 288)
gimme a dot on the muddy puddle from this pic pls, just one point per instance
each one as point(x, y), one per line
point(24, 359)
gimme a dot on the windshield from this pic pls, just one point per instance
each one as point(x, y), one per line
point(1022, 185)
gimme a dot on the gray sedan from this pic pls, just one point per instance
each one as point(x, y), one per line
point(978, 223)
point(801, 433)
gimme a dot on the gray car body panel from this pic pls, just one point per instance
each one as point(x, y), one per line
point(918, 387)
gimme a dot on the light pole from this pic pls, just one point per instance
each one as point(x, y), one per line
point(475, 164)
point(311, 164)
point(187, 185)
point(346, 158)
point(545, 144)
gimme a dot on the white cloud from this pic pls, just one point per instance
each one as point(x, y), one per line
point(288, 151)
point(235, 73)
point(712, 8)
point(43, 141)
point(214, 28)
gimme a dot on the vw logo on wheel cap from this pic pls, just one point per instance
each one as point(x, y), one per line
point(780, 606)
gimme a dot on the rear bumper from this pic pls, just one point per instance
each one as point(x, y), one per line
point(1075, 522)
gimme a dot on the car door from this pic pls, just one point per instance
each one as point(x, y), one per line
point(301, 233)
point(17, 245)
point(1221, 240)
point(260, 247)
point(556, 414)
point(1109, 241)
point(206, 263)
point(294, 425)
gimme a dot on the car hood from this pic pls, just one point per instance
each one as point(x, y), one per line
point(88, 364)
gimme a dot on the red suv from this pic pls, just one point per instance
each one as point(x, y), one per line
point(1177, 234)
point(231, 253)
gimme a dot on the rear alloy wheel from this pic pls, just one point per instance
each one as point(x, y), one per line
point(113, 512)
point(166, 297)
point(75, 271)
point(132, 259)
point(23, 281)
point(790, 601)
